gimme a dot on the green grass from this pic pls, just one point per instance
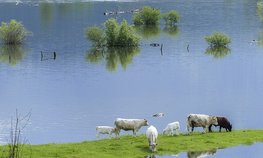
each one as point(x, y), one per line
point(137, 147)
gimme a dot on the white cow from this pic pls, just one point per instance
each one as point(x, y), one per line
point(129, 124)
point(200, 120)
point(172, 128)
point(105, 130)
point(152, 134)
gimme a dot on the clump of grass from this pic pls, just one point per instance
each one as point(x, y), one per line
point(147, 16)
point(13, 33)
point(114, 35)
point(171, 17)
point(218, 40)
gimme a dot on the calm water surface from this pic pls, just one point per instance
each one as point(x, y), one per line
point(71, 95)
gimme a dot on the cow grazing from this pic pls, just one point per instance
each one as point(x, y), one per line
point(105, 130)
point(200, 120)
point(172, 128)
point(152, 134)
point(129, 124)
point(222, 123)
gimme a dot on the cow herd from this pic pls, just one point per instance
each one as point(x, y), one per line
point(193, 120)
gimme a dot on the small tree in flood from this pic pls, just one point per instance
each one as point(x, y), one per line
point(148, 16)
point(13, 32)
point(114, 35)
point(218, 40)
point(96, 35)
point(171, 18)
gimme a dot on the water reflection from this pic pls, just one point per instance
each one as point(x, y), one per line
point(260, 38)
point(113, 56)
point(46, 12)
point(260, 10)
point(199, 154)
point(171, 30)
point(218, 52)
point(11, 54)
point(150, 156)
point(148, 32)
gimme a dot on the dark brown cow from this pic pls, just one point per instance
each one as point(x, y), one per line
point(222, 123)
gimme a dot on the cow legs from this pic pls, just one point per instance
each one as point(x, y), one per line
point(220, 129)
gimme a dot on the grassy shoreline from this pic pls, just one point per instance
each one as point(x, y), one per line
point(137, 147)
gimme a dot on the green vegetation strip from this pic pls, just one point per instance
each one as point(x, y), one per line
point(133, 147)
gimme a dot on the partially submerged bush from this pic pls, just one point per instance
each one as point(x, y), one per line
point(13, 32)
point(96, 35)
point(171, 18)
point(218, 40)
point(147, 16)
point(113, 35)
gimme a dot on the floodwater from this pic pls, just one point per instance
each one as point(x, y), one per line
point(253, 151)
point(71, 94)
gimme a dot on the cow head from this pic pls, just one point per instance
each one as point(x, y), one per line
point(230, 127)
point(152, 147)
point(146, 123)
point(214, 120)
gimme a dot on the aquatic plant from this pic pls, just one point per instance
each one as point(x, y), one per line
point(218, 40)
point(114, 35)
point(13, 32)
point(96, 35)
point(147, 16)
point(171, 17)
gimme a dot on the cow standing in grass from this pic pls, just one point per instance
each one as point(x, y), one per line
point(172, 128)
point(222, 123)
point(105, 130)
point(200, 120)
point(152, 135)
point(129, 124)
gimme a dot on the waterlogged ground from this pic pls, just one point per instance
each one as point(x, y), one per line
point(79, 90)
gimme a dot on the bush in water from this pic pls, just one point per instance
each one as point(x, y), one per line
point(13, 32)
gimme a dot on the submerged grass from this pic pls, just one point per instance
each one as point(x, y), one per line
point(137, 147)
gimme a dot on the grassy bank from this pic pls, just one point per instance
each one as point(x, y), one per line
point(130, 147)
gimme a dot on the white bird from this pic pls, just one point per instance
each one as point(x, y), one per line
point(18, 1)
point(158, 114)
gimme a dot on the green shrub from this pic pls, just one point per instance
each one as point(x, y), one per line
point(111, 31)
point(127, 36)
point(113, 35)
point(13, 32)
point(96, 35)
point(171, 18)
point(148, 16)
point(218, 40)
